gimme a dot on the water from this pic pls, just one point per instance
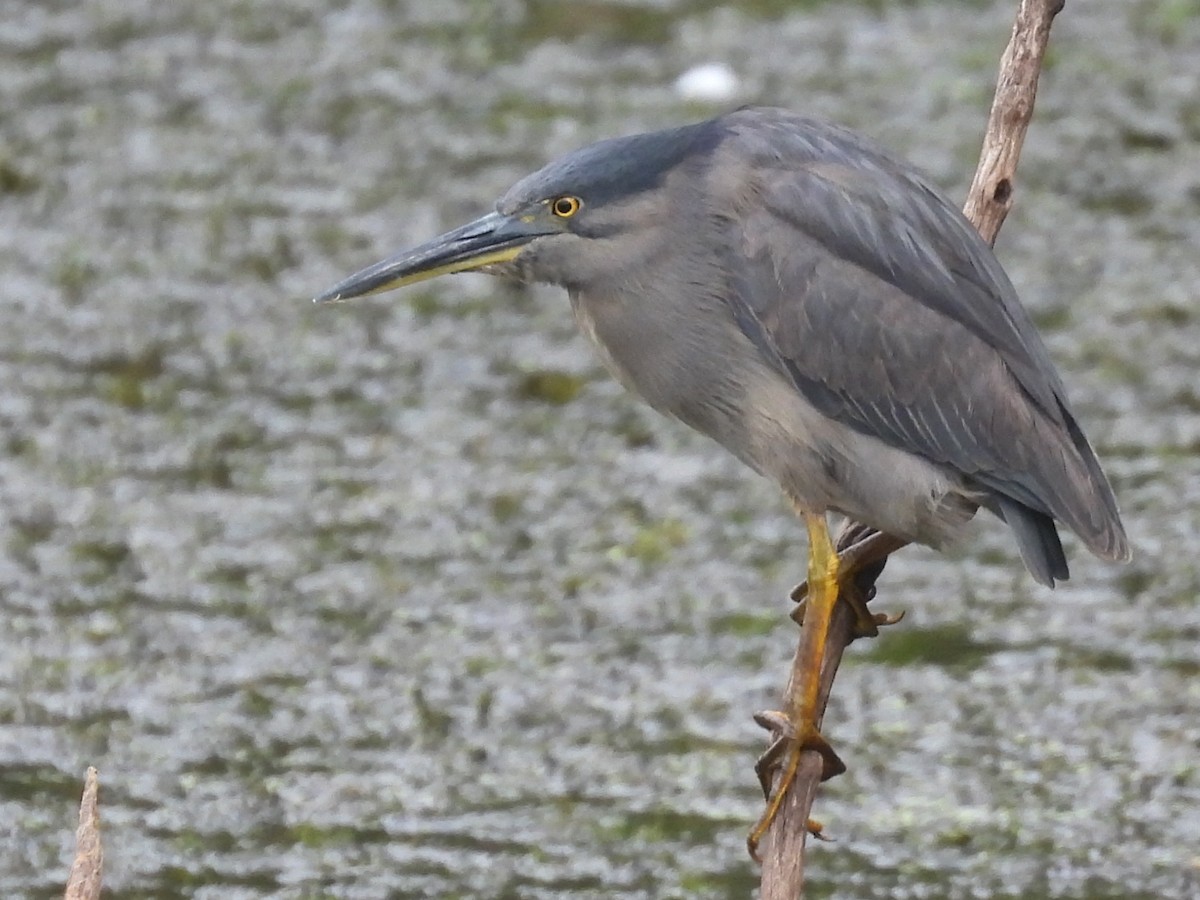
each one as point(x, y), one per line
point(405, 598)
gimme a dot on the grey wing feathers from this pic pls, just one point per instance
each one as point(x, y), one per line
point(891, 315)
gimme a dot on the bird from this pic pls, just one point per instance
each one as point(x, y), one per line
point(815, 305)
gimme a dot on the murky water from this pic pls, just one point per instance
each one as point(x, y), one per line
point(406, 599)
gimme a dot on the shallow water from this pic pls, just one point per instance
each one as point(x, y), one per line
point(405, 598)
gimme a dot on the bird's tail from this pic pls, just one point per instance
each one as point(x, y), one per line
point(1037, 539)
point(1061, 480)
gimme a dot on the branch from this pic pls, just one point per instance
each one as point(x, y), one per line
point(988, 202)
point(85, 878)
point(991, 194)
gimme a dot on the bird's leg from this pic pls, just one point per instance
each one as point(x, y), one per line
point(860, 564)
point(851, 577)
point(797, 724)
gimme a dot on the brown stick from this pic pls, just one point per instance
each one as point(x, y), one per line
point(991, 194)
point(84, 881)
point(988, 203)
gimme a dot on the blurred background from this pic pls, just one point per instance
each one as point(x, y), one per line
point(406, 598)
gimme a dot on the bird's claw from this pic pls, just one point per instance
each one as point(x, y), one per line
point(815, 829)
point(775, 722)
point(784, 735)
point(783, 757)
point(768, 764)
point(882, 620)
point(866, 623)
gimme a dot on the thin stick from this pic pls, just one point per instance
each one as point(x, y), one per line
point(84, 881)
point(988, 203)
point(991, 194)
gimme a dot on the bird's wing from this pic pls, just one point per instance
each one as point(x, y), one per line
point(891, 315)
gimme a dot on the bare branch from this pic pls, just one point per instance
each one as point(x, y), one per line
point(991, 194)
point(85, 879)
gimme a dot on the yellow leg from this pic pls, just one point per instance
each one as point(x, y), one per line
point(804, 690)
point(866, 556)
point(823, 566)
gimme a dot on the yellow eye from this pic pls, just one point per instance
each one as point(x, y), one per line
point(565, 207)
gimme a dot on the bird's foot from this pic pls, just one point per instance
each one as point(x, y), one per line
point(866, 623)
point(784, 734)
point(795, 731)
point(859, 565)
point(782, 757)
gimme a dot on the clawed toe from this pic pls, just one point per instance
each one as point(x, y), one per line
point(866, 623)
point(782, 758)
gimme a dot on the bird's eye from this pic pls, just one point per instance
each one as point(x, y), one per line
point(565, 207)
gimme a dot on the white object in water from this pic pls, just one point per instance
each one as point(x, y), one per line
point(710, 82)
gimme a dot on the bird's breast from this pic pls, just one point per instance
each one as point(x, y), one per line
point(654, 349)
point(683, 354)
point(583, 308)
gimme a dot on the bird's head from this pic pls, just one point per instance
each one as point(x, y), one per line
point(582, 217)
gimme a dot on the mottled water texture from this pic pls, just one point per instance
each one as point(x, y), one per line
point(405, 598)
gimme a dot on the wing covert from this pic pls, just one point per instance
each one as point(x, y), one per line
point(866, 339)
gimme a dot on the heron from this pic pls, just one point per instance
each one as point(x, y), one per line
point(817, 307)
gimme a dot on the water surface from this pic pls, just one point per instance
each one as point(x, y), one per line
point(405, 598)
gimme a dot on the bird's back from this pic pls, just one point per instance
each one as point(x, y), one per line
point(884, 307)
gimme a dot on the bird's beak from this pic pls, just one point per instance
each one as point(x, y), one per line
point(491, 239)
